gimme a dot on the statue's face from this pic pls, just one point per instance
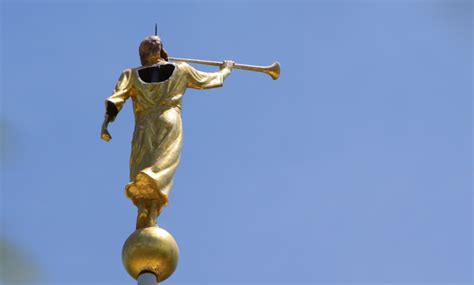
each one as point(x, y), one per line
point(150, 50)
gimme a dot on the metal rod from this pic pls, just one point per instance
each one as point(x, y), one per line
point(147, 278)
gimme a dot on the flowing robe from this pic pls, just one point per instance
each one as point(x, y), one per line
point(158, 134)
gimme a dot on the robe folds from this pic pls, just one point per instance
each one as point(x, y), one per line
point(158, 134)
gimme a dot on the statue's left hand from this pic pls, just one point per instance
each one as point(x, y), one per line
point(105, 135)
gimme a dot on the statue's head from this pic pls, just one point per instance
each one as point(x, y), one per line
point(151, 50)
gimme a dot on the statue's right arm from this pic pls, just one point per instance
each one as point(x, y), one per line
point(205, 80)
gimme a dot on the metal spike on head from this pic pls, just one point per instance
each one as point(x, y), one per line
point(156, 29)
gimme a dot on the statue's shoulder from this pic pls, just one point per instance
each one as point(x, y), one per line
point(126, 75)
point(128, 72)
point(181, 65)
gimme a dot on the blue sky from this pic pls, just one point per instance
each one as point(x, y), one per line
point(355, 167)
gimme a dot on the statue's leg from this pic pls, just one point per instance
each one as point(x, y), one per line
point(142, 215)
point(153, 213)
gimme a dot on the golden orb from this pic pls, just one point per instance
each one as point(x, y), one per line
point(150, 249)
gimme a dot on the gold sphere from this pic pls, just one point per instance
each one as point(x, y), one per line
point(150, 249)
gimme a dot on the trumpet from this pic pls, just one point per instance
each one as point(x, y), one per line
point(273, 70)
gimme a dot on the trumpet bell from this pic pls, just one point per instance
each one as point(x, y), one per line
point(274, 70)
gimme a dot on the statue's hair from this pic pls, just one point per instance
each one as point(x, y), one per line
point(150, 47)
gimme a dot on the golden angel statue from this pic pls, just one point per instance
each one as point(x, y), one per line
point(156, 89)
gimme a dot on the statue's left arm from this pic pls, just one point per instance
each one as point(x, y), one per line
point(115, 102)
